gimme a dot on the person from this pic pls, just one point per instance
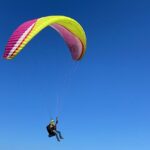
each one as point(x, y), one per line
point(52, 130)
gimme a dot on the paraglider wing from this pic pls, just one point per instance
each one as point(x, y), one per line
point(71, 31)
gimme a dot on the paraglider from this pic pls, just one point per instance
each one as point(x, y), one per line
point(70, 30)
point(52, 130)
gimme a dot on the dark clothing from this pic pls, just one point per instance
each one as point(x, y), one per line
point(58, 135)
point(52, 130)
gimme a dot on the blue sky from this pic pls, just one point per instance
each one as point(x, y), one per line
point(104, 99)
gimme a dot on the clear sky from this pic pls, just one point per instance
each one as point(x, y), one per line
point(104, 100)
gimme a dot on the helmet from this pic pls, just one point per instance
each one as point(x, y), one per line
point(52, 121)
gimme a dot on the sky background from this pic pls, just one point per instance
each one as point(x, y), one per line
point(104, 100)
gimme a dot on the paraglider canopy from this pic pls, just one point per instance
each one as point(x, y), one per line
point(71, 31)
